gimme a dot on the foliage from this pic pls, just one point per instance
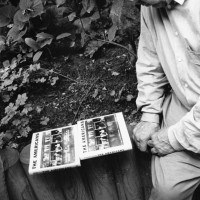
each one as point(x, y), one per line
point(28, 31)
point(16, 83)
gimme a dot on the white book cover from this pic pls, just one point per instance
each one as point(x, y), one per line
point(103, 135)
point(54, 149)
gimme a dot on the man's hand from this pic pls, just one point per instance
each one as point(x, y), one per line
point(155, 3)
point(142, 133)
point(160, 144)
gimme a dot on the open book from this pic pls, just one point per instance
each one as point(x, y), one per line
point(64, 147)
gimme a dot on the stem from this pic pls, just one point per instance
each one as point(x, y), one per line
point(83, 99)
point(62, 75)
point(116, 44)
point(82, 25)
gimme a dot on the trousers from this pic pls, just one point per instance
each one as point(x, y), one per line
point(177, 175)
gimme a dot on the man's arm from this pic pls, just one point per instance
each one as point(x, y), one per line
point(185, 134)
point(150, 75)
point(151, 84)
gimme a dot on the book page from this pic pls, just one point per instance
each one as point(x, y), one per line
point(103, 135)
point(54, 149)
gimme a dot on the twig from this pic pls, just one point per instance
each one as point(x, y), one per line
point(61, 75)
point(83, 99)
point(116, 44)
point(66, 77)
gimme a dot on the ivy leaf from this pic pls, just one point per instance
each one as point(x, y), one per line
point(15, 34)
point(63, 35)
point(34, 67)
point(44, 121)
point(6, 15)
point(43, 42)
point(37, 56)
point(12, 87)
point(27, 108)
point(20, 19)
point(32, 43)
point(60, 2)
point(88, 5)
point(92, 47)
point(34, 7)
point(16, 122)
point(13, 64)
point(112, 32)
point(6, 98)
point(10, 109)
point(25, 131)
point(43, 35)
point(2, 43)
point(116, 12)
point(54, 80)
point(21, 99)
point(72, 16)
point(6, 64)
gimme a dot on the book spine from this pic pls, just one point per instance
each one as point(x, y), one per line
point(35, 153)
point(111, 151)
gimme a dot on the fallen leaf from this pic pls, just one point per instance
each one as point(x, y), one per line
point(38, 109)
point(129, 97)
point(115, 73)
point(63, 35)
point(37, 56)
point(44, 121)
point(96, 91)
point(112, 93)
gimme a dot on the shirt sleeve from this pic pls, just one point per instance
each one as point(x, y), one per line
point(150, 75)
point(185, 134)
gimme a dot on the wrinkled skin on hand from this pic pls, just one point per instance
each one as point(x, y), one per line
point(160, 144)
point(154, 3)
point(142, 133)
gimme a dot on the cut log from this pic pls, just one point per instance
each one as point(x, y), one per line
point(3, 188)
point(73, 185)
point(45, 185)
point(99, 178)
point(18, 185)
point(8, 158)
point(126, 175)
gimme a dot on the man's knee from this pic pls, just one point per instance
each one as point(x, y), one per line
point(167, 192)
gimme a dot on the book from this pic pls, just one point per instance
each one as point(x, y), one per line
point(65, 147)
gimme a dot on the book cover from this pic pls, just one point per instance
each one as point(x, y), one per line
point(54, 149)
point(103, 135)
point(65, 147)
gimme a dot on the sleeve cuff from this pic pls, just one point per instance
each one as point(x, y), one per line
point(172, 139)
point(150, 117)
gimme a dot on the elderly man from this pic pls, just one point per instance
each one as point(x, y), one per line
point(168, 72)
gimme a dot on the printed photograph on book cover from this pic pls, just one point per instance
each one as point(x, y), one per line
point(58, 147)
point(102, 133)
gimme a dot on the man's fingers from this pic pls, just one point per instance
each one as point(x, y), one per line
point(154, 151)
point(142, 146)
point(150, 143)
